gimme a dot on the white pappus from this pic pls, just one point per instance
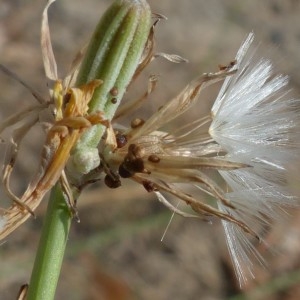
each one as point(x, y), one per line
point(256, 121)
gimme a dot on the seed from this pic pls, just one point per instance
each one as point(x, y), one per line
point(114, 91)
point(123, 172)
point(153, 158)
point(137, 165)
point(149, 186)
point(111, 182)
point(121, 140)
point(137, 123)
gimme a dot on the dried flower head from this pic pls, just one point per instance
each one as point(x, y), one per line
point(252, 138)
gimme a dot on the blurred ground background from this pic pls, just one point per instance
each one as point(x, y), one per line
point(116, 252)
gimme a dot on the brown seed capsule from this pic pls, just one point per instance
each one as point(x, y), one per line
point(134, 151)
point(123, 172)
point(222, 67)
point(136, 123)
point(137, 166)
point(114, 91)
point(153, 158)
point(227, 67)
point(149, 186)
point(121, 140)
point(111, 182)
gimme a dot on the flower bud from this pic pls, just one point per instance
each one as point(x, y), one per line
point(113, 55)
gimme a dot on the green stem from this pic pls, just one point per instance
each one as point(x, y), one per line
point(113, 56)
point(51, 248)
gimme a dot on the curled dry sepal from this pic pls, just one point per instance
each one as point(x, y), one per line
point(252, 140)
point(77, 103)
point(69, 108)
point(253, 137)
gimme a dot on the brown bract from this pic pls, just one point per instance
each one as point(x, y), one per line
point(69, 105)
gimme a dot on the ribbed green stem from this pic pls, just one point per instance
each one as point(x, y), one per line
point(113, 56)
point(51, 248)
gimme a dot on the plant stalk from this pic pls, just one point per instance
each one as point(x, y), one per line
point(51, 248)
point(113, 56)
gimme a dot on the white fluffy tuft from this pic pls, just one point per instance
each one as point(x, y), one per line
point(256, 122)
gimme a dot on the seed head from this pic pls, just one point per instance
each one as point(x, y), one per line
point(253, 136)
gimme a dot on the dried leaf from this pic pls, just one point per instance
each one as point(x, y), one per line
point(46, 45)
point(171, 57)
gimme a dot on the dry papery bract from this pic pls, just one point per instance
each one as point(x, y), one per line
point(69, 107)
